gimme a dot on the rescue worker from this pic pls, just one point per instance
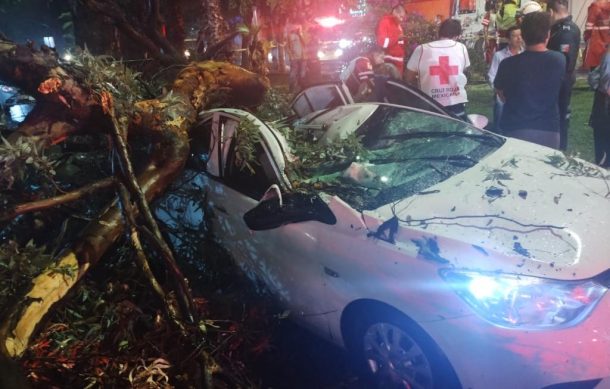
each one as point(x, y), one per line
point(357, 74)
point(597, 32)
point(527, 8)
point(437, 68)
point(506, 18)
point(565, 38)
point(390, 37)
point(365, 75)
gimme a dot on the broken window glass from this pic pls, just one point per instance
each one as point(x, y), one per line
point(405, 152)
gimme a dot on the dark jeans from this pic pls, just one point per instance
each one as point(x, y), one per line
point(498, 108)
point(565, 95)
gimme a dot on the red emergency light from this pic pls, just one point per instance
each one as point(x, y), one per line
point(329, 21)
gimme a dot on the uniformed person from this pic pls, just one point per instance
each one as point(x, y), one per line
point(505, 19)
point(565, 38)
point(597, 33)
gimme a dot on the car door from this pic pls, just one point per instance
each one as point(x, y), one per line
point(325, 96)
point(284, 258)
point(399, 93)
point(320, 97)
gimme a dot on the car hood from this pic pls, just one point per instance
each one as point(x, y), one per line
point(524, 209)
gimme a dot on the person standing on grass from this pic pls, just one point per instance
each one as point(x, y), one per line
point(505, 19)
point(565, 39)
point(529, 85)
point(437, 68)
point(515, 46)
point(597, 33)
point(600, 113)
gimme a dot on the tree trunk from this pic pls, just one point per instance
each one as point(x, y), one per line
point(213, 26)
point(176, 29)
point(165, 120)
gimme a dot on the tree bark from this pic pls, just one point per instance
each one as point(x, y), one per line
point(58, 200)
point(165, 120)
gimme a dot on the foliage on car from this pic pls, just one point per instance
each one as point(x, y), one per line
point(314, 156)
point(246, 137)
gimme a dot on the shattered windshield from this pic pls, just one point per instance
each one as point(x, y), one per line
point(393, 154)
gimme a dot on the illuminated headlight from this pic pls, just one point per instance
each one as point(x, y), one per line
point(344, 43)
point(320, 55)
point(338, 53)
point(526, 302)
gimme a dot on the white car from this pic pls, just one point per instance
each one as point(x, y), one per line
point(440, 254)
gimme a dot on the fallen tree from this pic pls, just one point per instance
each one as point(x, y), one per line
point(73, 100)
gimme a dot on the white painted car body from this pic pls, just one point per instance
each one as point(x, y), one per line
point(522, 210)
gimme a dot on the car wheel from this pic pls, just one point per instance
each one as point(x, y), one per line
point(395, 353)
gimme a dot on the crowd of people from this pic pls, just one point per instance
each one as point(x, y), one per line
point(532, 67)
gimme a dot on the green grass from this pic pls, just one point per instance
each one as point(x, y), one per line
point(580, 135)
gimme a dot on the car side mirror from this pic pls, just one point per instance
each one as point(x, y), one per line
point(479, 121)
point(287, 209)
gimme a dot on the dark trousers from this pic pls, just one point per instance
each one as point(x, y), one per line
point(565, 95)
point(296, 75)
point(600, 121)
point(498, 109)
point(544, 138)
point(458, 110)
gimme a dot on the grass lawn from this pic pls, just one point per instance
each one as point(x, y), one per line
point(580, 135)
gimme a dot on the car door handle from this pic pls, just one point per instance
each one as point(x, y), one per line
point(221, 209)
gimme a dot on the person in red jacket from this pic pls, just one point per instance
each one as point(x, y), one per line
point(390, 37)
point(597, 33)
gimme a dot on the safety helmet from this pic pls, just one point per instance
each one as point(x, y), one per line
point(530, 7)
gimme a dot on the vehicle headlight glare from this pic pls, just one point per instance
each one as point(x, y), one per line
point(320, 54)
point(338, 53)
point(526, 302)
point(345, 43)
point(482, 288)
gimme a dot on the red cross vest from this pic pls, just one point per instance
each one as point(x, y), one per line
point(440, 66)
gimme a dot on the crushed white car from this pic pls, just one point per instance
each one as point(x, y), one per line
point(442, 255)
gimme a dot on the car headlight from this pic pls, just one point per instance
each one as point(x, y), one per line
point(526, 302)
point(345, 43)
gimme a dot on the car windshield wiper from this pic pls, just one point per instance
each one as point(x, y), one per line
point(455, 160)
point(483, 138)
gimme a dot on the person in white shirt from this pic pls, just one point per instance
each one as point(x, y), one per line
point(437, 68)
point(515, 46)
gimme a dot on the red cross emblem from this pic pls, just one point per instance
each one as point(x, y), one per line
point(443, 70)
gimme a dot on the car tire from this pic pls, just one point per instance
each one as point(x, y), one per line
point(392, 351)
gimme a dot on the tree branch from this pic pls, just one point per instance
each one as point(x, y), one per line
point(113, 11)
point(59, 200)
point(166, 120)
